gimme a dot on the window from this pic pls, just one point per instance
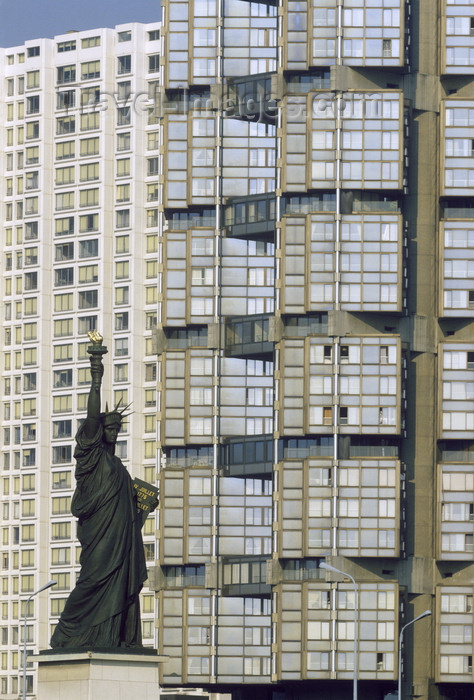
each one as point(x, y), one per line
point(64, 276)
point(61, 480)
point(31, 180)
point(89, 198)
point(64, 200)
point(89, 147)
point(124, 36)
point(62, 428)
point(32, 79)
point(123, 167)
point(152, 166)
point(28, 559)
point(202, 276)
point(66, 74)
point(62, 454)
point(64, 46)
point(456, 664)
point(122, 244)
point(61, 530)
point(88, 222)
point(89, 248)
point(62, 404)
point(61, 353)
point(203, 187)
point(64, 227)
point(121, 373)
point(65, 99)
point(66, 149)
point(123, 141)
point(32, 130)
point(124, 64)
point(86, 324)
point(150, 372)
point(65, 125)
point(154, 63)
point(122, 269)
point(90, 121)
point(65, 176)
point(63, 251)
point(29, 356)
point(33, 51)
point(60, 556)
point(327, 415)
point(122, 193)
point(90, 70)
point(90, 41)
point(124, 90)
point(90, 96)
point(89, 171)
point(88, 274)
point(31, 281)
point(154, 35)
point(121, 321)
point(123, 116)
point(122, 295)
point(151, 218)
point(121, 347)
point(31, 306)
point(33, 104)
point(123, 218)
point(88, 299)
point(152, 192)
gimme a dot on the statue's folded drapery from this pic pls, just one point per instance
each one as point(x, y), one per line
point(103, 609)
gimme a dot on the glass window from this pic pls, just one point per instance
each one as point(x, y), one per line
point(66, 74)
point(32, 79)
point(64, 46)
point(90, 70)
point(154, 63)
point(123, 141)
point(66, 149)
point(124, 64)
point(89, 147)
point(90, 41)
point(89, 198)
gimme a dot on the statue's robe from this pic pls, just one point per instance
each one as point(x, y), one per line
point(103, 609)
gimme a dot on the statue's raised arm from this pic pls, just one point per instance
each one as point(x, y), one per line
point(96, 350)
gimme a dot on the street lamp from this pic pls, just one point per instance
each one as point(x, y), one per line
point(27, 603)
point(323, 565)
point(400, 639)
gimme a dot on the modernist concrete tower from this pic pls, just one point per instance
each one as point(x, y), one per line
point(315, 346)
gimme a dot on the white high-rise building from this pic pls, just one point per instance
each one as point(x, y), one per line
point(78, 226)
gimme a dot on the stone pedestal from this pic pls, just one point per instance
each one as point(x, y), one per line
point(97, 675)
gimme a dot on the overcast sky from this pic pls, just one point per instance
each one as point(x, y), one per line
point(36, 19)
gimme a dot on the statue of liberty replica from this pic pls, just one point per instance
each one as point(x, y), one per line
point(103, 610)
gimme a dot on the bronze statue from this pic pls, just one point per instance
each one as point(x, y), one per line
point(103, 609)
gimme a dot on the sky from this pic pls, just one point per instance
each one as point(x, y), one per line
point(21, 20)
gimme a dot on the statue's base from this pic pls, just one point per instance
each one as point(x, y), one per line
point(101, 674)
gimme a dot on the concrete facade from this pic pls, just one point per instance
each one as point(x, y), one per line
point(296, 337)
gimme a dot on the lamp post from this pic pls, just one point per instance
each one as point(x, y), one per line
point(400, 639)
point(323, 565)
point(27, 603)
